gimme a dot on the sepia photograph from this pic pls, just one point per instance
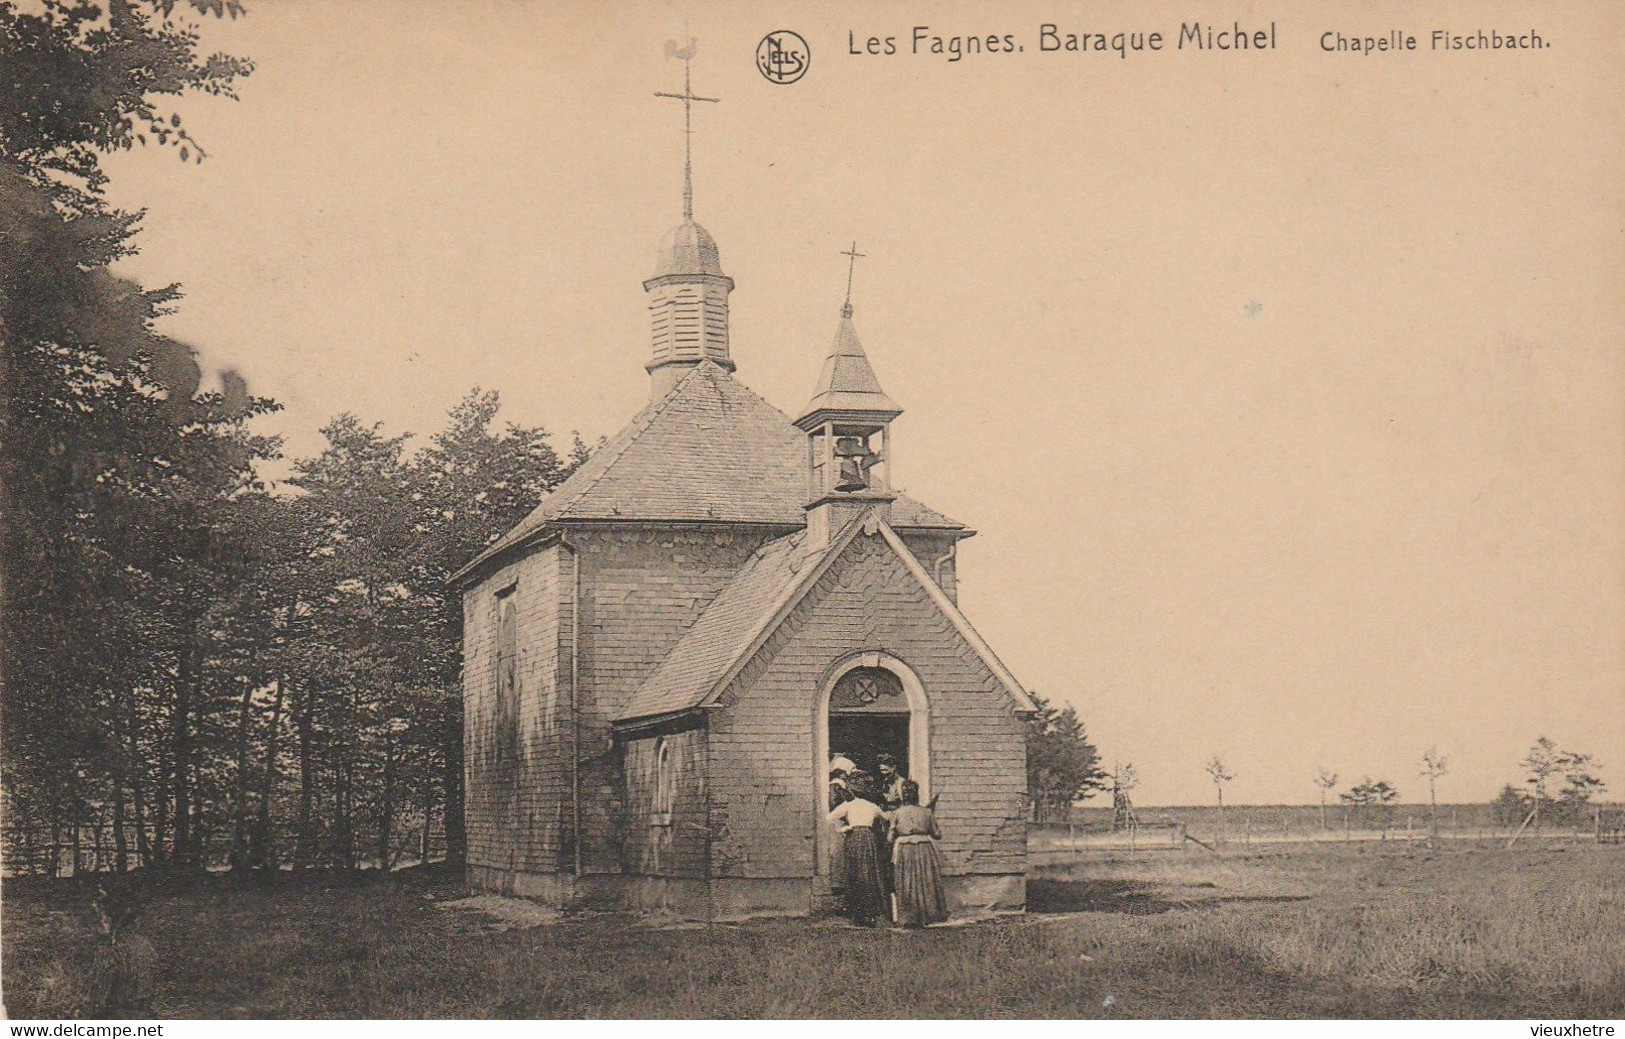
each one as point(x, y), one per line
point(760, 509)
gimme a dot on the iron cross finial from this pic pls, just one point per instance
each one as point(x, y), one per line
point(687, 97)
point(852, 263)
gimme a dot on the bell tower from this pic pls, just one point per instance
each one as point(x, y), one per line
point(848, 427)
point(688, 295)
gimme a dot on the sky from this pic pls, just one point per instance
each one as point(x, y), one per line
point(1283, 388)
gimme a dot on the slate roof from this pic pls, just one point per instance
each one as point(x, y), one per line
point(724, 632)
point(710, 450)
point(740, 619)
point(847, 382)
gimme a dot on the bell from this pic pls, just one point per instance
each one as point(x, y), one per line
point(852, 476)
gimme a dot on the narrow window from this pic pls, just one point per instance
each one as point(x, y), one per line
point(507, 705)
point(665, 783)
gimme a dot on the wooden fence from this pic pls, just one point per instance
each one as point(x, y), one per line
point(38, 851)
point(1264, 825)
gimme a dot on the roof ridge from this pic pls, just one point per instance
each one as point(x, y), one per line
point(643, 421)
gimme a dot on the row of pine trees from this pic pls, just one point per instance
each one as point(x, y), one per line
point(200, 669)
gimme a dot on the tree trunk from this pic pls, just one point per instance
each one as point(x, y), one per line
point(143, 844)
point(387, 808)
point(304, 855)
point(239, 822)
point(166, 791)
point(452, 753)
point(264, 848)
point(345, 834)
point(74, 840)
point(428, 803)
point(143, 847)
point(97, 852)
point(121, 842)
point(185, 680)
point(56, 844)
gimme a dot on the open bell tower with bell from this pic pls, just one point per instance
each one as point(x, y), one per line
point(848, 427)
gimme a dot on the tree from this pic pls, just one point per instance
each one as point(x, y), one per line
point(1434, 767)
point(1325, 781)
point(1546, 766)
point(1371, 798)
point(188, 657)
point(1062, 765)
point(106, 438)
point(1510, 807)
point(1220, 775)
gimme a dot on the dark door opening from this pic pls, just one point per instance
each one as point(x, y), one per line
point(864, 737)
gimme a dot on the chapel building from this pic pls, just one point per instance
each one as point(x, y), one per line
point(662, 658)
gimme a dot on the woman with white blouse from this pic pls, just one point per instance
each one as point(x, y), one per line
point(860, 855)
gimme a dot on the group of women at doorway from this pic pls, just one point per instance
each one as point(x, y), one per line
point(884, 860)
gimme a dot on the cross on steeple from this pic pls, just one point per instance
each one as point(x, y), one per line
point(852, 263)
point(687, 97)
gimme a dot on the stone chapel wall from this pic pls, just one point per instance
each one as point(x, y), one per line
point(762, 745)
point(517, 796)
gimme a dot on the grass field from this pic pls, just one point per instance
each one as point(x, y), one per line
point(1357, 931)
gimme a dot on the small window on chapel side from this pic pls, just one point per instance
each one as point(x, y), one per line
point(664, 800)
point(507, 674)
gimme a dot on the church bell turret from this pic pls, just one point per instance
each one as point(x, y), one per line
point(848, 427)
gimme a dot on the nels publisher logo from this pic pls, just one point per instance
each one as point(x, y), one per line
point(782, 57)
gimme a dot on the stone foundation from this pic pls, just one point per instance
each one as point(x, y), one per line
point(723, 898)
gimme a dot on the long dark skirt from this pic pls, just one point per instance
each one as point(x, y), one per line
point(861, 874)
point(918, 872)
point(837, 861)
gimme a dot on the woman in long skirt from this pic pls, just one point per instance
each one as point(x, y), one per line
point(917, 868)
point(839, 794)
point(860, 858)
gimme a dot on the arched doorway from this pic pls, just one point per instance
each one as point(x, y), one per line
point(868, 719)
point(869, 704)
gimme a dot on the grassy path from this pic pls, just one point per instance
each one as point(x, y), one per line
point(1392, 932)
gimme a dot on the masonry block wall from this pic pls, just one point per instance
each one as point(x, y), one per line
point(518, 806)
point(765, 784)
point(642, 588)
